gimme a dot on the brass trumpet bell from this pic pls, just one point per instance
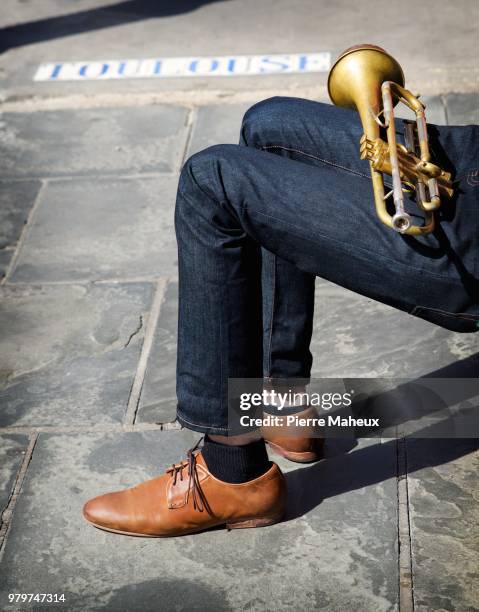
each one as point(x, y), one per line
point(368, 79)
point(357, 75)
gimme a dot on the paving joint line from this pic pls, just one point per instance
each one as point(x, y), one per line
point(150, 329)
point(7, 514)
point(405, 573)
point(82, 429)
point(187, 98)
point(152, 280)
point(190, 122)
point(442, 97)
point(116, 175)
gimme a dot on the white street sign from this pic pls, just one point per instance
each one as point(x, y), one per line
point(231, 65)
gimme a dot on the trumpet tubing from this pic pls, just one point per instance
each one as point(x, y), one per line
point(366, 78)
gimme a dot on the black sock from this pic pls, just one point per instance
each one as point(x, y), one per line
point(235, 464)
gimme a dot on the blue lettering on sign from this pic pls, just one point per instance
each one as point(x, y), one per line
point(267, 63)
point(303, 60)
point(194, 65)
point(83, 70)
point(56, 71)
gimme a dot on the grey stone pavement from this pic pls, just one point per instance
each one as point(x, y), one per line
point(88, 346)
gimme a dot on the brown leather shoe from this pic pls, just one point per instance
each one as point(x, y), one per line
point(188, 498)
point(298, 444)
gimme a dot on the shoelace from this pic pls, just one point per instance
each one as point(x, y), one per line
point(176, 470)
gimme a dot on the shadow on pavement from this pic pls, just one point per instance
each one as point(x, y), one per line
point(342, 471)
point(93, 19)
point(308, 487)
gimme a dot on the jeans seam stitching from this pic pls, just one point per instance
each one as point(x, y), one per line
point(178, 412)
point(273, 304)
point(366, 251)
point(325, 161)
point(458, 315)
point(222, 353)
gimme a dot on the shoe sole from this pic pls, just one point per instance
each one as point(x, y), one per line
point(243, 524)
point(297, 457)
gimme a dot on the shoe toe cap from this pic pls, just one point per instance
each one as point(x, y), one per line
point(103, 511)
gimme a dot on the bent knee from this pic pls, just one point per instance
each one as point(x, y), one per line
point(205, 161)
point(205, 169)
point(272, 118)
point(276, 104)
point(262, 114)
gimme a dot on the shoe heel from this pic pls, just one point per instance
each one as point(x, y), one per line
point(297, 457)
point(256, 522)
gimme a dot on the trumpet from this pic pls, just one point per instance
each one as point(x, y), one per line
point(368, 79)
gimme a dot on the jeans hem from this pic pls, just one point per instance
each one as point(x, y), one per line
point(201, 427)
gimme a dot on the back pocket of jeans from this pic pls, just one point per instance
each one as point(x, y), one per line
point(456, 322)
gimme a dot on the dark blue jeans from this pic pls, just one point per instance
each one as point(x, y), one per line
point(256, 222)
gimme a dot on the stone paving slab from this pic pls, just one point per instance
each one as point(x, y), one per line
point(217, 124)
point(102, 229)
point(92, 141)
point(12, 448)
point(355, 336)
point(69, 352)
point(16, 200)
point(463, 109)
point(444, 513)
point(336, 551)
